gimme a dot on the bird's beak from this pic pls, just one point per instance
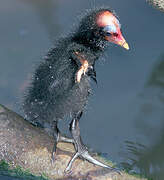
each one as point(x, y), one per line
point(122, 42)
point(119, 39)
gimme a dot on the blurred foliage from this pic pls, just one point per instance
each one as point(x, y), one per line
point(157, 76)
point(18, 172)
point(159, 4)
point(149, 160)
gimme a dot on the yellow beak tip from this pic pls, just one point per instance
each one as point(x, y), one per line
point(126, 46)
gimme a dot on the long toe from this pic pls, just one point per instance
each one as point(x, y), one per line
point(89, 158)
point(53, 154)
point(68, 168)
point(85, 155)
point(65, 139)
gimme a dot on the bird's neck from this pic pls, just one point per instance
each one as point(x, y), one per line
point(94, 44)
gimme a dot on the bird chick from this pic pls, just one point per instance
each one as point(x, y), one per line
point(61, 83)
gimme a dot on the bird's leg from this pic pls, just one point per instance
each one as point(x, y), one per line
point(83, 68)
point(58, 138)
point(81, 149)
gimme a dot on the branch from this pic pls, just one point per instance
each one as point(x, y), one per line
point(22, 144)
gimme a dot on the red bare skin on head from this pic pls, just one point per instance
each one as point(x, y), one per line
point(105, 18)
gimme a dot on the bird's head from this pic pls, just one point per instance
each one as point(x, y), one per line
point(110, 28)
point(101, 26)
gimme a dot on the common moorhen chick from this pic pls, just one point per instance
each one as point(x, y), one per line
point(61, 84)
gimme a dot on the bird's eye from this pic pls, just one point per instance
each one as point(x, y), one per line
point(110, 29)
point(108, 33)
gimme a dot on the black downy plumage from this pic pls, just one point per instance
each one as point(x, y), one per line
point(55, 91)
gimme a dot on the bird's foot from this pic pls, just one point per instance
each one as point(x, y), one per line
point(83, 153)
point(60, 138)
point(81, 149)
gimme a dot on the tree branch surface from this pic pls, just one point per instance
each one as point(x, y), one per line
point(22, 144)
